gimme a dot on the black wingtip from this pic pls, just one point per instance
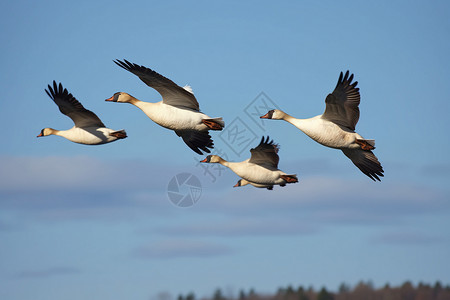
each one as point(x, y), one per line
point(339, 79)
point(350, 78)
point(48, 94)
point(52, 91)
point(265, 140)
point(346, 78)
point(122, 64)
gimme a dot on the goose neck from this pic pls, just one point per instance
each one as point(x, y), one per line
point(289, 118)
point(135, 101)
point(224, 162)
point(57, 132)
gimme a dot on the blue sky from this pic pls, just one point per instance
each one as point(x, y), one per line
point(96, 222)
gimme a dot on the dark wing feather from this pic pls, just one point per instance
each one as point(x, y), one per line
point(265, 154)
point(196, 140)
point(171, 93)
point(342, 104)
point(366, 161)
point(72, 108)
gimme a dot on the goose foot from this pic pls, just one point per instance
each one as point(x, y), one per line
point(289, 178)
point(119, 134)
point(213, 125)
point(364, 145)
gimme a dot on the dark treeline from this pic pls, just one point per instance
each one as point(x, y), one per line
point(362, 291)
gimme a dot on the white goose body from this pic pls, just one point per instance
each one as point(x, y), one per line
point(172, 117)
point(243, 182)
point(255, 173)
point(325, 132)
point(88, 135)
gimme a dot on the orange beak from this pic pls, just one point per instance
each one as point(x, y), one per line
point(110, 99)
point(40, 134)
point(266, 116)
point(203, 160)
point(236, 185)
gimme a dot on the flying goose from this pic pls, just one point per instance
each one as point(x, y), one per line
point(261, 168)
point(335, 128)
point(88, 129)
point(178, 110)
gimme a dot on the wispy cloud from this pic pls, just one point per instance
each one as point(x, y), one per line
point(60, 188)
point(82, 187)
point(4, 226)
point(407, 238)
point(179, 249)
point(309, 207)
point(333, 200)
point(242, 227)
point(104, 205)
point(50, 272)
point(79, 173)
point(436, 170)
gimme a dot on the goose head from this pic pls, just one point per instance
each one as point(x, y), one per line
point(212, 159)
point(274, 114)
point(46, 132)
point(120, 97)
point(241, 182)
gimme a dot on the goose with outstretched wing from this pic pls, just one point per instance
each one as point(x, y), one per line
point(88, 129)
point(335, 128)
point(178, 111)
point(261, 168)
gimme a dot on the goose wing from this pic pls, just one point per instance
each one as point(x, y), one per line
point(342, 105)
point(265, 154)
point(171, 93)
point(366, 161)
point(72, 108)
point(196, 140)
